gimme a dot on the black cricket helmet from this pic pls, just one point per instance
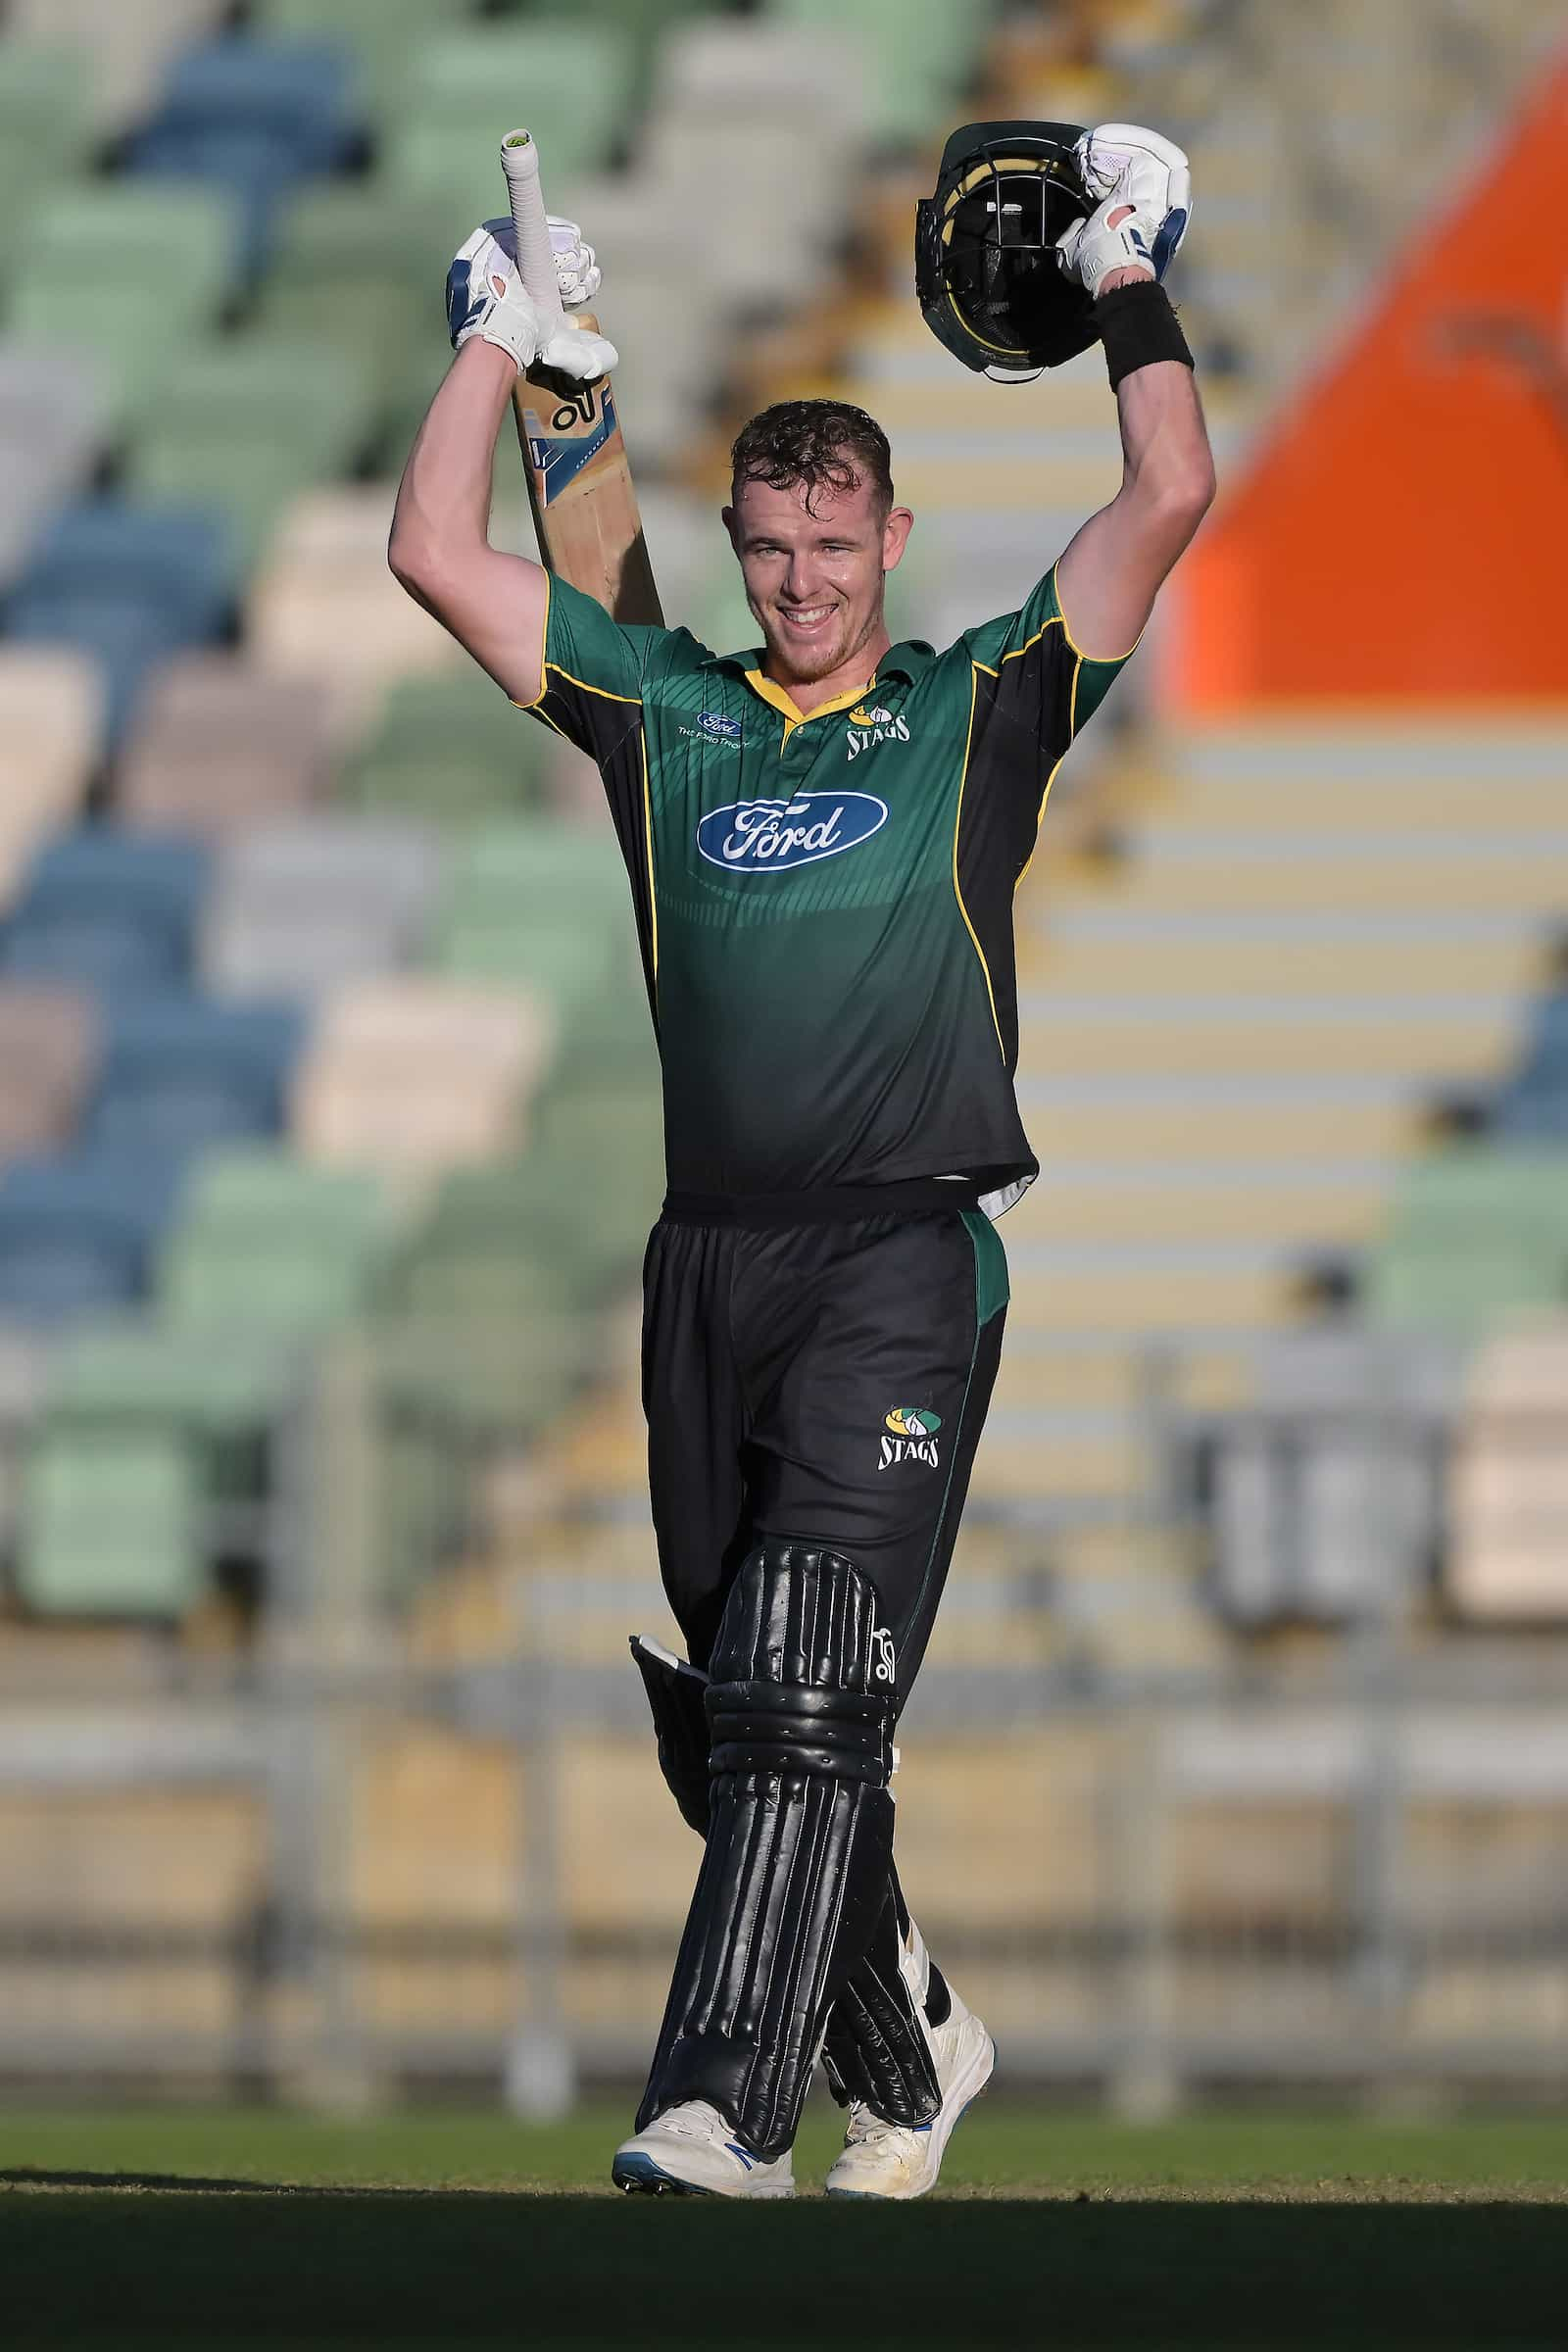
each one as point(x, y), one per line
point(987, 275)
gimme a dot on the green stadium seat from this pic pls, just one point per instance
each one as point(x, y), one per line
point(572, 81)
point(357, 270)
point(912, 55)
point(110, 1523)
point(45, 129)
point(150, 1371)
point(217, 1388)
point(541, 902)
point(481, 1379)
point(158, 257)
point(608, 1145)
point(246, 423)
point(645, 23)
point(448, 747)
point(1467, 1290)
point(271, 1243)
point(1475, 1233)
point(1483, 1193)
point(378, 36)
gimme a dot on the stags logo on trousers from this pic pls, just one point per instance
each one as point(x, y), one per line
point(770, 837)
point(912, 1437)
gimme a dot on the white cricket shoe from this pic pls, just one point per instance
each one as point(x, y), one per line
point(898, 2160)
point(691, 2151)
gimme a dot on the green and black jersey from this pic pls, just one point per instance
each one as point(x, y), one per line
point(825, 904)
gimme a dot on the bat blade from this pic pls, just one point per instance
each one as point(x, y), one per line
point(580, 490)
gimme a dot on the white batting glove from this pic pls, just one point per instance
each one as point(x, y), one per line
point(485, 298)
point(1145, 189)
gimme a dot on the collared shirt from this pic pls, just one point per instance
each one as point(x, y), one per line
point(824, 901)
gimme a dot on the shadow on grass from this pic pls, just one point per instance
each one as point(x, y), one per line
point(248, 2266)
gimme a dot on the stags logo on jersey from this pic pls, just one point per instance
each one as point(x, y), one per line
point(872, 723)
point(912, 1437)
point(770, 837)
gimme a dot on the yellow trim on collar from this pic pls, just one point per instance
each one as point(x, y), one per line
point(779, 699)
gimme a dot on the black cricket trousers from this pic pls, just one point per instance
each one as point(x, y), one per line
point(822, 1382)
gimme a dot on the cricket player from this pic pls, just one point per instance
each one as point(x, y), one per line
point(823, 838)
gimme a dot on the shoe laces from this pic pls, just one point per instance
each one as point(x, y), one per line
point(867, 2129)
point(695, 2121)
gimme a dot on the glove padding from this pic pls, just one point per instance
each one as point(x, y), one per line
point(1145, 192)
point(485, 298)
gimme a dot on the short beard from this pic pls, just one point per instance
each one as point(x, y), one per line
point(822, 664)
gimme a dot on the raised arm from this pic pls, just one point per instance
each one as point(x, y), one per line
point(1108, 576)
point(494, 604)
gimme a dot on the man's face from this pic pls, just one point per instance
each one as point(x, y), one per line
point(814, 579)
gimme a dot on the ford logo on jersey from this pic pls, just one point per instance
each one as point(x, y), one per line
point(724, 731)
point(768, 837)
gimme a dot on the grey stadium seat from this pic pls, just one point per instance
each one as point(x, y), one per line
point(1327, 1501)
point(302, 905)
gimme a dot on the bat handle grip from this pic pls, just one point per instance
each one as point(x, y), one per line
point(536, 261)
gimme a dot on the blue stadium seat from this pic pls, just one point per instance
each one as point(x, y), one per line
point(182, 1074)
point(76, 1232)
point(130, 584)
point(111, 910)
point(1533, 1105)
point(255, 117)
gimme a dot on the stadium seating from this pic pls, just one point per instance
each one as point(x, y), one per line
point(912, 56)
point(183, 1073)
point(76, 1231)
point(129, 585)
point(537, 904)
point(249, 423)
point(417, 1074)
point(159, 259)
point(446, 748)
point(1533, 1105)
point(1327, 1499)
point(559, 1229)
point(1509, 1489)
point(1474, 1232)
point(299, 908)
point(218, 1388)
point(731, 101)
point(109, 1524)
point(269, 1244)
point(376, 37)
point(51, 726)
point(24, 1360)
point(217, 749)
point(52, 431)
point(575, 76)
point(45, 132)
point(324, 606)
point(107, 910)
point(252, 118)
point(358, 269)
point(122, 48)
point(48, 1051)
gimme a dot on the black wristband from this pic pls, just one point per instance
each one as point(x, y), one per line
point(1137, 326)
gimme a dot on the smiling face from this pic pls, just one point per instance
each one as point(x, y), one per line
point(814, 578)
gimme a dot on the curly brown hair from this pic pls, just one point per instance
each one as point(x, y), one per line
point(824, 444)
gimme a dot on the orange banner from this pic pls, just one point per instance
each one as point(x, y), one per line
point(1402, 532)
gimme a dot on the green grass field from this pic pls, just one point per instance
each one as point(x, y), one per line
point(214, 2228)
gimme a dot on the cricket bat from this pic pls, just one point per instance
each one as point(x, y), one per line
point(579, 482)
